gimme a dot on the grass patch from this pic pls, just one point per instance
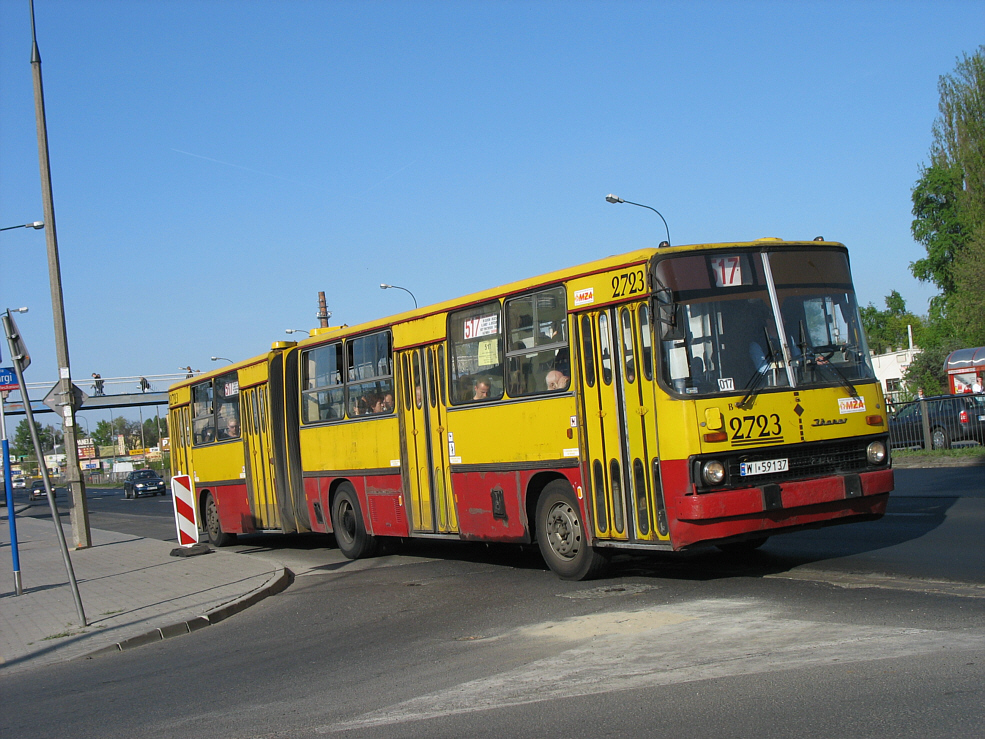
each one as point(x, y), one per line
point(964, 452)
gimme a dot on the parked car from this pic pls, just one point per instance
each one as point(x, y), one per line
point(953, 418)
point(20, 483)
point(143, 482)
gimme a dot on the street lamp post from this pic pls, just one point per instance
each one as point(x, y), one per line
point(385, 286)
point(610, 198)
point(80, 506)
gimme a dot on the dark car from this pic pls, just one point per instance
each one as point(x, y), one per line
point(952, 418)
point(143, 482)
point(37, 491)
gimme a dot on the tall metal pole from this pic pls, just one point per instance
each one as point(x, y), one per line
point(17, 358)
point(9, 492)
point(76, 487)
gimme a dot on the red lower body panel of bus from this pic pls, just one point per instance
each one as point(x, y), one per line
point(770, 508)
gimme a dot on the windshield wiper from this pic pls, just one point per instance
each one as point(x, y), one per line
point(815, 357)
point(754, 386)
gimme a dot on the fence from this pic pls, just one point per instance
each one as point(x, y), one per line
point(938, 423)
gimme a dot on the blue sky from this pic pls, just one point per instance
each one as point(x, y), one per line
point(216, 164)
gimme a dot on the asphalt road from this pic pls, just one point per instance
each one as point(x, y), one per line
point(869, 630)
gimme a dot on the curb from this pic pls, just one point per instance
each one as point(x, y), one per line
point(925, 463)
point(281, 578)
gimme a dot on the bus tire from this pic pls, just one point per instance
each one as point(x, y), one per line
point(217, 537)
point(741, 547)
point(561, 536)
point(347, 521)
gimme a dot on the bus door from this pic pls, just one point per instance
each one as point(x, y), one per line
point(424, 445)
point(181, 439)
point(620, 421)
point(259, 470)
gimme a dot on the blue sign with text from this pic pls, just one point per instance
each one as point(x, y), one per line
point(8, 380)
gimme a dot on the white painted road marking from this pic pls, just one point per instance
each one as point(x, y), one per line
point(629, 650)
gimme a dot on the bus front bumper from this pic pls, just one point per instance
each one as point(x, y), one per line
point(771, 508)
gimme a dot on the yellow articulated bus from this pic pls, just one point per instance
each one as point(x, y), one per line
point(658, 400)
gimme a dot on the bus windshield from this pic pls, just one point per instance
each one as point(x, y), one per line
point(723, 332)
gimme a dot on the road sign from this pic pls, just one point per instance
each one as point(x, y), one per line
point(53, 399)
point(184, 510)
point(16, 343)
point(8, 380)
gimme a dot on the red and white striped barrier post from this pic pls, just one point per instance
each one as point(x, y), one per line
point(184, 510)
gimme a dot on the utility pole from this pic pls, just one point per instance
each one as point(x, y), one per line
point(76, 487)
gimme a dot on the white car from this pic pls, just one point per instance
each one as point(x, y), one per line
point(20, 483)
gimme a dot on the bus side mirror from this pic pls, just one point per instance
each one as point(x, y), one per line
point(671, 320)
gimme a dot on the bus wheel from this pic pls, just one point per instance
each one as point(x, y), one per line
point(217, 537)
point(741, 547)
point(561, 535)
point(347, 520)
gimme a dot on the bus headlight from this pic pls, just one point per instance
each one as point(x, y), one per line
point(713, 472)
point(876, 452)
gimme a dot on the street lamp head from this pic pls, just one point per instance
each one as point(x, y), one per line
point(610, 198)
point(387, 286)
point(32, 224)
point(297, 331)
point(18, 310)
point(224, 359)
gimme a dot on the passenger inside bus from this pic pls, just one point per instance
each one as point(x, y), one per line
point(481, 389)
point(231, 431)
point(556, 380)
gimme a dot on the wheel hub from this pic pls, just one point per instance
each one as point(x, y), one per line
point(563, 531)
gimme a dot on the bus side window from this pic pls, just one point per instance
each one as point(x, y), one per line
point(370, 372)
point(628, 351)
point(203, 423)
point(475, 347)
point(647, 342)
point(441, 373)
point(405, 371)
point(537, 359)
point(606, 352)
point(321, 384)
point(418, 392)
point(588, 350)
point(226, 396)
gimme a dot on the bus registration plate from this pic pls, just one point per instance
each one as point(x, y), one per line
point(764, 467)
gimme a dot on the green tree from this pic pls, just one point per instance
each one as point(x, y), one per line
point(102, 435)
point(23, 446)
point(949, 208)
point(887, 330)
point(938, 225)
point(927, 368)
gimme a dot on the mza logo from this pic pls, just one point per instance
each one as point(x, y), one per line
point(585, 297)
point(851, 405)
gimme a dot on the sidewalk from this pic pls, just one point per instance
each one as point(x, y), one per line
point(133, 593)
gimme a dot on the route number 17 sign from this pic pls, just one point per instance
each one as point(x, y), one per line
point(728, 271)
